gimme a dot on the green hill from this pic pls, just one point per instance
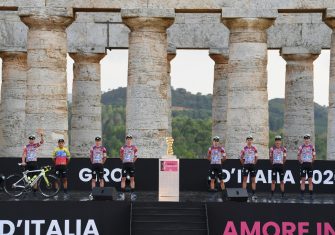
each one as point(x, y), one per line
point(180, 98)
point(276, 121)
point(276, 116)
point(192, 121)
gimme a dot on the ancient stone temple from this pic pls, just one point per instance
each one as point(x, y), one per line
point(37, 35)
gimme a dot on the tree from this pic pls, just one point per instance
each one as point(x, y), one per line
point(191, 122)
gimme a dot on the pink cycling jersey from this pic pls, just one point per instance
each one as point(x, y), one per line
point(31, 152)
point(306, 152)
point(97, 154)
point(249, 154)
point(128, 153)
point(216, 153)
point(277, 154)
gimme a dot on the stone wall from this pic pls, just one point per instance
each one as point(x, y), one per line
point(184, 5)
point(189, 31)
point(148, 28)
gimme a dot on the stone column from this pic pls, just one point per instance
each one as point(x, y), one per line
point(247, 111)
point(86, 102)
point(46, 105)
point(170, 56)
point(13, 103)
point(220, 88)
point(148, 84)
point(330, 21)
point(299, 97)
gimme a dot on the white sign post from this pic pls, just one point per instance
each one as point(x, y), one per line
point(168, 175)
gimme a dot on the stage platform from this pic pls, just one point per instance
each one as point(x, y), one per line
point(197, 213)
point(185, 196)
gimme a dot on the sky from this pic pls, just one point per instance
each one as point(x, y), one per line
point(194, 71)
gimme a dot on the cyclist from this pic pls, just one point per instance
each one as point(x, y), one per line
point(128, 156)
point(306, 157)
point(277, 157)
point(216, 155)
point(98, 155)
point(61, 158)
point(248, 158)
point(29, 156)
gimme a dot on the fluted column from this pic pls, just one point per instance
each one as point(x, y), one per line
point(247, 111)
point(170, 56)
point(46, 105)
point(220, 88)
point(13, 103)
point(330, 21)
point(299, 97)
point(148, 84)
point(86, 102)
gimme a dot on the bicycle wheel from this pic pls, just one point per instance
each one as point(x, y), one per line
point(14, 185)
point(49, 187)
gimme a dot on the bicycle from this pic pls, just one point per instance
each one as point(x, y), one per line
point(47, 184)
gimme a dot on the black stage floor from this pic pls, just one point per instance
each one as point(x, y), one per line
point(185, 196)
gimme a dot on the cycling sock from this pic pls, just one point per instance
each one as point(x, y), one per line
point(282, 193)
point(302, 192)
point(272, 192)
point(65, 190)
point(123, 190)
point(253, 192)
point(132, 190)
point(34, 190)
point(310, 192)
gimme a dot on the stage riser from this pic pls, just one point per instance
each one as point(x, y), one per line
point(171, 232)
point(167, 225)
point(168, 218)
point(108, 217)
point(113, 218)
point(155, 211)
point(164, 217)
point(222, 217)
